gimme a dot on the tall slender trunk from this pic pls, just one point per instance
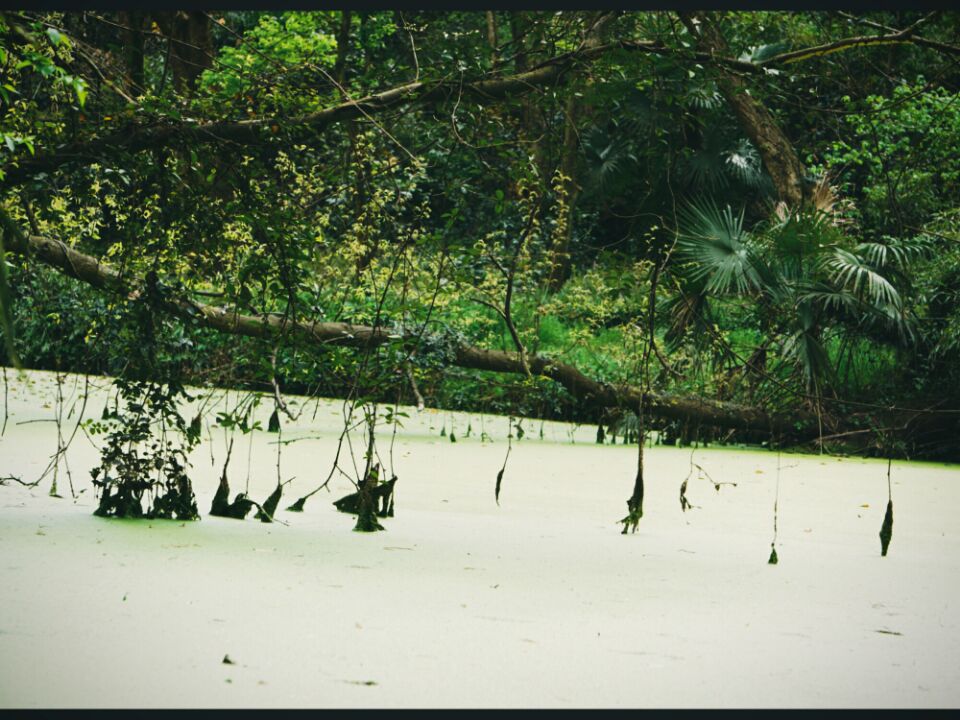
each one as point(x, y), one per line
point(492, 39)
point(191, 45)
point(352, 156)
point(560, 269)
point(531, 118)
point(133, 47)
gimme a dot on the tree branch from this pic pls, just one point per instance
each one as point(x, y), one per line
point(253, 132)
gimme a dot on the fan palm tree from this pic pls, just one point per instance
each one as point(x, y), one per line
point(807, 278)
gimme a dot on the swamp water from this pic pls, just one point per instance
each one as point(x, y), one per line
point(540, 602)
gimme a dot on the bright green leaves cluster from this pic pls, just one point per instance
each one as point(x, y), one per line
point(40, 65)
point(298, 43)
point(900, 154)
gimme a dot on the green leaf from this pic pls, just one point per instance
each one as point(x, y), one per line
point(80, 88)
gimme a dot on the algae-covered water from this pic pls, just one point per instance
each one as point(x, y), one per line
point(537, 602)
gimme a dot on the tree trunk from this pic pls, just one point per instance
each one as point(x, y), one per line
point(492, 39)
point(191, 45)
point(779, 157)
point(560, 252)
point(560, 270)
point(133, 41)
point(532, 122)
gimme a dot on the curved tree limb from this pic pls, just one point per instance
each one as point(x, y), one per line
point(253, 132)
point(838, 46)
point(712, 50)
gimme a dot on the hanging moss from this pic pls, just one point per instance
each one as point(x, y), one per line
point(237, 510)
point(194, 430)
point(381, 500)
point(389, 506)
point(298, 505)
point(634, 505)
point(886, 531)
point(632, 520)
point(221, 507)
point(274, 424)
point(367, 522)
point(178, 502)
point(773, 556)
point(121, 500)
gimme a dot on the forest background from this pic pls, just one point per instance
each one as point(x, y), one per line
point(729, 226)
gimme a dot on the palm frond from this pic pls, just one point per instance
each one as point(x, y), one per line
point(802, 234)
point(855, 274)
point(760, 53)
point(895, 252)
point(717, 250)
point(705, 95)
point(607, 159)
point(703, 170)
point(805, 350)
point(704, 166)
point(892, 318)
point(687, 310)
point(743, 162)
point(829, 298)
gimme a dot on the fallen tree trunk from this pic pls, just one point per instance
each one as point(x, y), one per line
point(587, 391)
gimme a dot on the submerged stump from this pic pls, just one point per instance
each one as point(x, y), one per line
point(221, 507)
point(269, 508)
point(372, 500)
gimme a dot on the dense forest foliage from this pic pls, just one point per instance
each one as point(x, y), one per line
point(736, 226)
